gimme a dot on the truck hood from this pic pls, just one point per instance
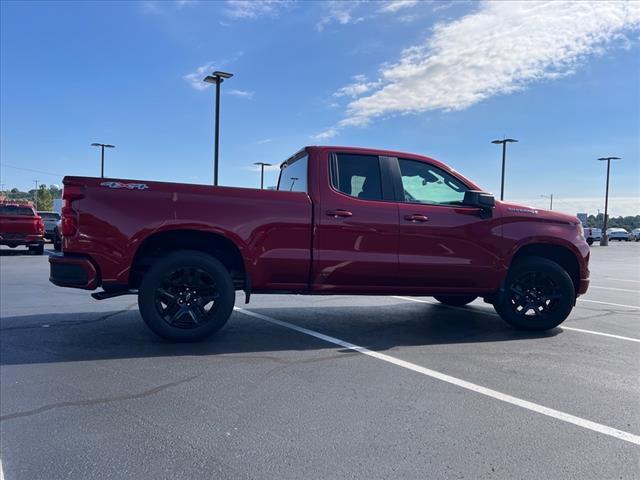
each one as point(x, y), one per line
point(508, 209)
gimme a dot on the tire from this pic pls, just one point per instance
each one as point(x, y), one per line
point(589, 241)
point(172, 296)
point(455, 301)
point(39, 250)
point(57, 244)
point(537, 294)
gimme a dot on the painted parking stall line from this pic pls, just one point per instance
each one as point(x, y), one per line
point(614, 289)
point(632, 307)
point(486, 312)
point(531, 406)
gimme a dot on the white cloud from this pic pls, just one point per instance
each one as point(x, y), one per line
point(500, 48)
point(263, 141)
point(326, 134)
point(252, 9)
point(339, 12)
point(242, 94)
point(393, 6)
point(195, 78)
point(359, 87)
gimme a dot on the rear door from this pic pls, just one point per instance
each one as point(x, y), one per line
point(357, 233)
point(442, 243)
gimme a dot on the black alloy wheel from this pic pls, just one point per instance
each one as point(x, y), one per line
point(538, 294)
point(186, 296)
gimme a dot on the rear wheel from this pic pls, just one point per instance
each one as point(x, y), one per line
point(538, 295)
point(455, 301)
point(186, 296)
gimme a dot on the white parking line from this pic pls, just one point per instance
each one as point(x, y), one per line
point(616, 289)
point(623, 280)
point(534, 407)
point(635, 307)
point(592, 332)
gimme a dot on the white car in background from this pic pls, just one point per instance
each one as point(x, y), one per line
point(592, 235)
point(635, 234)
point(619, 234)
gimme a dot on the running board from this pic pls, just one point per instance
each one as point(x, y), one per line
point(104, 295)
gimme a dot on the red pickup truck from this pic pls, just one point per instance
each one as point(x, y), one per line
point(21, 225)
point(341, 221)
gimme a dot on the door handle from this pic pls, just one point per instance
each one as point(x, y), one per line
point(416, 217)
point(339, 213)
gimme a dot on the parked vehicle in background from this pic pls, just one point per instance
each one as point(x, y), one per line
point(342, 221)
point(57, 236)
point(592, 235)
point(21, 226)
point(50, 221)
point(619, 234)
point(635, 235)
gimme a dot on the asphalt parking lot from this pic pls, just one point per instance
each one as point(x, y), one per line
point(320, 387)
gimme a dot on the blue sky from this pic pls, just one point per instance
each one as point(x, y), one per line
point(438, 78)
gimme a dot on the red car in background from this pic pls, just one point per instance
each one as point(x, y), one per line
point(342, 221)
point(20, 225)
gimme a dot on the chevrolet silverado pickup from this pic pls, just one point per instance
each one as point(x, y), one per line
point(21, 225)
point(342, 220)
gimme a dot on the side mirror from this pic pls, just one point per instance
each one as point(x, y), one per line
point(483, 200)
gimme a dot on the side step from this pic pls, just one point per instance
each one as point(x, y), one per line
point(103, 295)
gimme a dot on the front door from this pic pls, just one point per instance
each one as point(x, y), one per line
point(357, 235)
point(443, 244)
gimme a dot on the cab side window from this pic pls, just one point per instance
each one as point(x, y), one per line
point(357, 176)
point(293, 176)
point(425, 183)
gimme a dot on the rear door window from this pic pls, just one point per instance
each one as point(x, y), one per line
point(357, 176)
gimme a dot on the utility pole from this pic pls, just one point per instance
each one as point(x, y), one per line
point(216, 78)
point(262, 165)
point(604, 241)
point(36, 196)
point(504, 142)
point(550, 197)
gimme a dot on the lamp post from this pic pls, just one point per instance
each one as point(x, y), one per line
point(102, 147)
point(217, 78)
point(550, 197)
point(262, 165)
point(504, 142)
point(604, 240)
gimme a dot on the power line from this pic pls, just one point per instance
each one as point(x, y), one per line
point(33, 170)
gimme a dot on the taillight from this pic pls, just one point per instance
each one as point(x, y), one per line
point(69, 223)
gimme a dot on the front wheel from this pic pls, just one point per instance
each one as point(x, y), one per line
point(538, 294)
point(455, 301)
point(186, 296)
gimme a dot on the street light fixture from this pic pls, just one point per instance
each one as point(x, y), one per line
point(217, 78)
point(604, 240)
point(550, 197)
point(262, 165)
point(102, 147)
point(504, 142)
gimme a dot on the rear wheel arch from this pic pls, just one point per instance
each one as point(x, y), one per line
point(161, 244)
point(559, 254)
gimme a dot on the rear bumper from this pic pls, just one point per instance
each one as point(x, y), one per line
point(74, 272)
point(15, 240)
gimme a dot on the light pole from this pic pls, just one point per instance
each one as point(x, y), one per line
point(504, 142)
point(550, 197)
point(217, 78)
point(262, 165)
point(604, 240)
point(36, 196)
point(102, 147)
